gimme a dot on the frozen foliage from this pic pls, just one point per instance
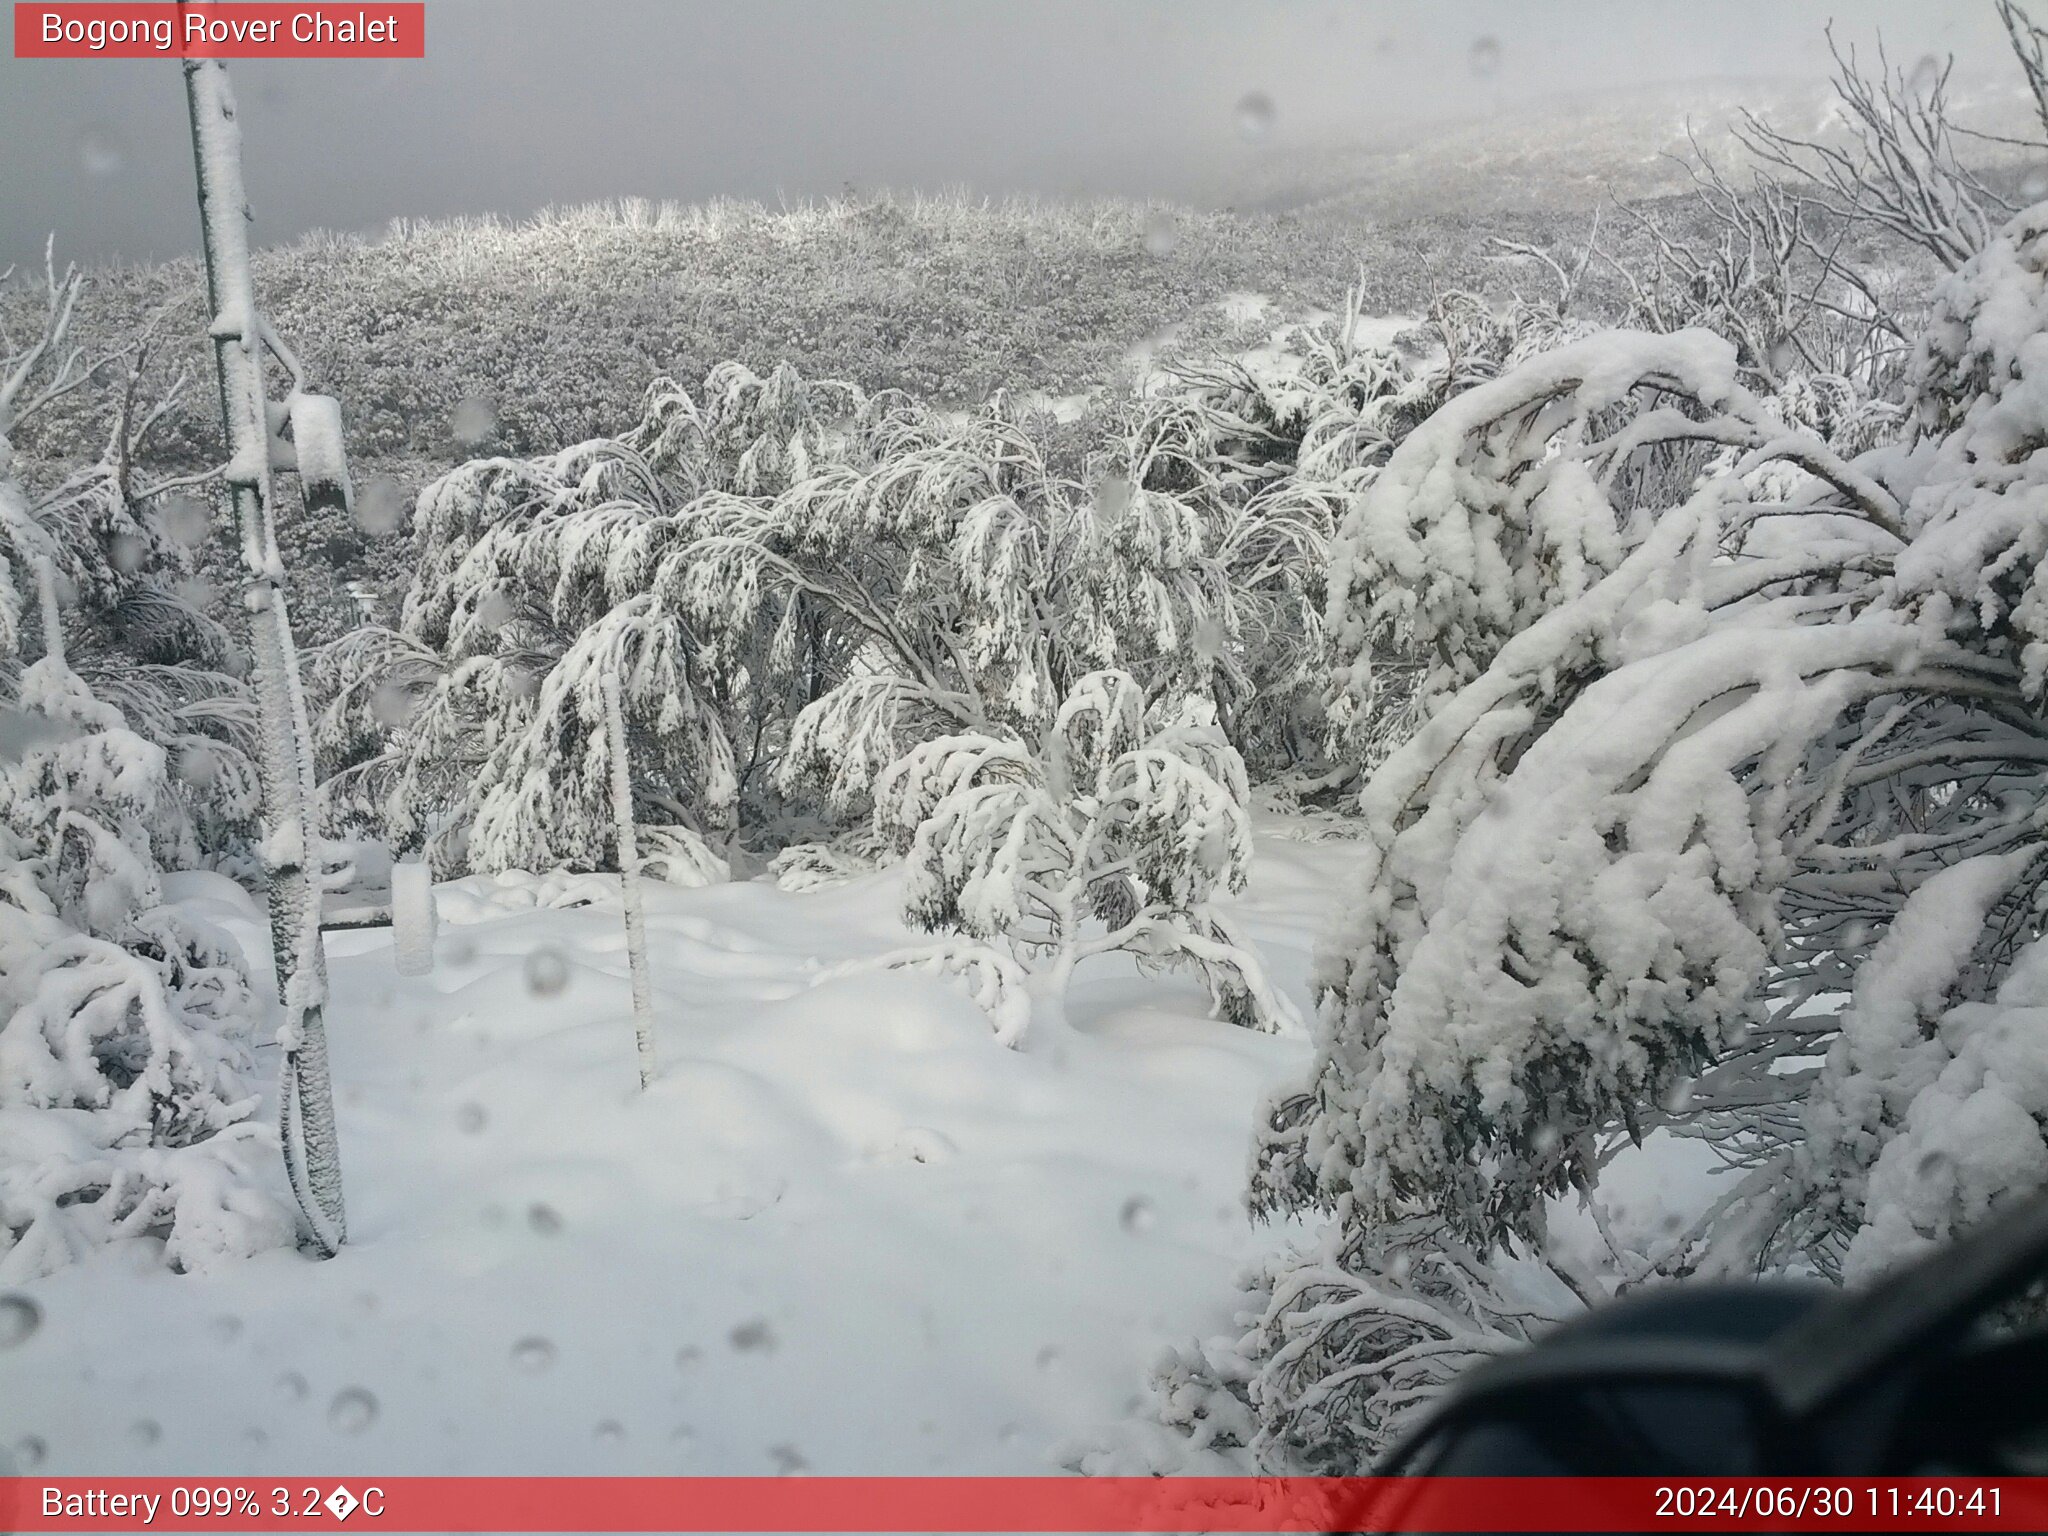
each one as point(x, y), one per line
point(850, 574)
point(819, 579)
point(92, 569)
point(547, 798)
point(1114, 830)
point(1702, 746)
point(476, 731)
point(1348, 1335)
point(123, 1109)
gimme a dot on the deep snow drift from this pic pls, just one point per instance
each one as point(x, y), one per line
point(845, 1231)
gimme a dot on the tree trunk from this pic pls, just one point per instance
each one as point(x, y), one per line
point(306, 1103)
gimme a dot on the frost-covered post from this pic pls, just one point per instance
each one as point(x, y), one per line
point(629, 877)
point(306, 1102)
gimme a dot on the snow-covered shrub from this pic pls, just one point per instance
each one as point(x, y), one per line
point(1693, 759)
point(1114, 830)
point(544, 800)
point(475, 729)
point(123, 1107)
point(96, 568)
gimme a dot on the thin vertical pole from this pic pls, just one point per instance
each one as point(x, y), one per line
point(629, 877)
point(306, 1101)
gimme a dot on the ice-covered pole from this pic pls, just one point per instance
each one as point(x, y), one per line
point(305, 1101)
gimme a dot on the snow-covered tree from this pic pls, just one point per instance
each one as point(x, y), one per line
point(97, 568)
point(1114, 830)
point(1904, 165)
point(965, 585)
point(1299, 441)
point(123, 1107)
point(1763, 266)
point(1695, 757)
point(124, 1110)
point(101, 555)
point(546, 798)
point(538, 579)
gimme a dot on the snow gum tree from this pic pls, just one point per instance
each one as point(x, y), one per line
point(124, 1108)
point(1114, 831)
point(124, 1026)
point(1722, 816)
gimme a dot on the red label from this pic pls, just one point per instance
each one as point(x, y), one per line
point(158, 29)
point(1016, 1504)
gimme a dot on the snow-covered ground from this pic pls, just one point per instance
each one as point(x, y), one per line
point(845, 1232)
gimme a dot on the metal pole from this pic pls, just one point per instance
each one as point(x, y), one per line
point(305, 1098)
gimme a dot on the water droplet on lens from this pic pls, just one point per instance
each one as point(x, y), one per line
point(1162, 235)
point(100, 152)
point(352, 1411)
point(546, 971)
point(543, 1219)
point(494, 610)
point(611, 1431)
point(19, 1317)
point(186, 520)
point(30, 1452)
point(521, 683)
point(1048, 1357)
point(533, 1355)
point(225, 1330)
point(1137, 1215)
point(1112, 496)
point(194, 592)
point(1935, 1166)
point(391, 704)
point(125, 553)
point(1484, 56)
point(1926, 75)
point(379, 506)
point(475, 421)
point(291, 1386)
point(145, 1432)
point(470, 1119)
point(688, 1356)
point(1254, 115)
point(2034, 183)
point(755, 1334)
point(197, 765)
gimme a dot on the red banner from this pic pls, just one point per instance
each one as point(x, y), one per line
point(156, 29)
point(921, 1504)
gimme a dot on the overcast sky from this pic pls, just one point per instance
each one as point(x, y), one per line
point(522, 103)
